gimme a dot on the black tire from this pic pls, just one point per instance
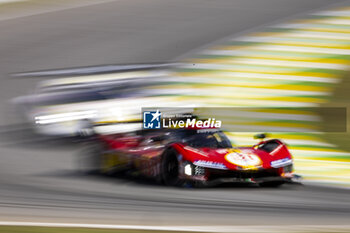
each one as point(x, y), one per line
point(170, 168)
point(271, 184)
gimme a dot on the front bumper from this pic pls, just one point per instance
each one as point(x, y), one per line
point(212, 177)
point(218, 181)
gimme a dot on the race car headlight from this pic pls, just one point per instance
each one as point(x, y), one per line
point(188, 169)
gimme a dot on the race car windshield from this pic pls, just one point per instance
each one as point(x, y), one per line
point(209, 139)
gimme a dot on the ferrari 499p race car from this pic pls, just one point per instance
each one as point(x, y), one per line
point(190, 157)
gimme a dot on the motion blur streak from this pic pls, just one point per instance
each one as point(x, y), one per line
point(263, 228)
point(38, 175)
point(276, 67)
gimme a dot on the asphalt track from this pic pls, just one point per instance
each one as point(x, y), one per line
point(38, 177)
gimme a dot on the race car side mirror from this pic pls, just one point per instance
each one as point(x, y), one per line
point(260, 136)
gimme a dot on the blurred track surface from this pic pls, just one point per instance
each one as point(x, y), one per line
point(38, 180)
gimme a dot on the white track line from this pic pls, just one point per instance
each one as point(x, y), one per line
point(224, 78)
point(263, 228)
point(305, 25)
point(275, 62)
point(265, 91)
point(223, 52)
point(280, 77)
point(304, 49)
point(283, 48)
point(319, 153)
point(337, 21)
point(333, 13)
point(290, 39)
point(319, 35)
point(322, 161)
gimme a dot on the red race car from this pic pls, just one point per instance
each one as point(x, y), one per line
point(190, 157)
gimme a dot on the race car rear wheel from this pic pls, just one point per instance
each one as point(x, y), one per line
point(170, 168)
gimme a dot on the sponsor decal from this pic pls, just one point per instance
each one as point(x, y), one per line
point(210, 164)
point(281, 162)
point(209, 123)
point(155, 120)
point(246, 160)
point(151, 119)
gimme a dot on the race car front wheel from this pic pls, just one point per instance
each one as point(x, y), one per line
point(170, 168)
